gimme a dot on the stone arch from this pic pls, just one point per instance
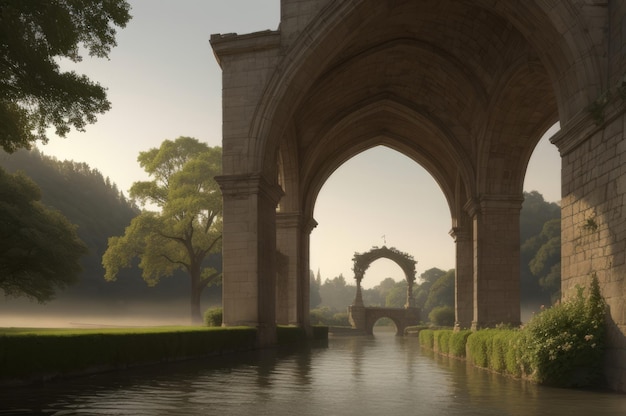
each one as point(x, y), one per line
point(560, 49)
point(362, 261)
point(333, 152)
point(463, 87)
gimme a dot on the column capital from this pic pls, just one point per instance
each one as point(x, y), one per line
point(493, 204)
point(500, 203)
point(472, 207)
point(310, 225)
point(460, 234)
point(243, 185)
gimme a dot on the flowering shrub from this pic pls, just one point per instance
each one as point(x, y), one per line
point(564, 345)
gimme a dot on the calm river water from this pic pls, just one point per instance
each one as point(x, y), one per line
point(381, 375)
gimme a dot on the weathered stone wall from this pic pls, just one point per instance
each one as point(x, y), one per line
point(247, 63)
point(594, 229)
point(295, 15)
point(593, 147)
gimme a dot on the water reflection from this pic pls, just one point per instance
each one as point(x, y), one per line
point(367, 376)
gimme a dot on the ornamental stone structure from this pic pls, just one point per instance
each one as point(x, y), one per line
point(466, 88)
point(363, 318)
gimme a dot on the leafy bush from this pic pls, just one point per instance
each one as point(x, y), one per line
point(479, 345)
point(328, 316)
point(442, 316)
point(458, 341)
point(561, 346)
point(564, 345)
point(36, 355)
point(502, 358)
point(427, 338)
point(442, 341)
point(287, 334)
point(213, 317)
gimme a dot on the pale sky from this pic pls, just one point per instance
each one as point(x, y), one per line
point(164, 82)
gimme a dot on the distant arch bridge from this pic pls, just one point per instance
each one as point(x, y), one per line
point(364, 318)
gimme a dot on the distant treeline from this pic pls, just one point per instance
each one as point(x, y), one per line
point(100, 210)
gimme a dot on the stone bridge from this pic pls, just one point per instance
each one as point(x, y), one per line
point(364, 318)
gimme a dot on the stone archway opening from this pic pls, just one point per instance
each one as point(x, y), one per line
point(364, 318)
point(385, 326)
point(380, 192)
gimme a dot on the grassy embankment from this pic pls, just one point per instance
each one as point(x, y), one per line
point(29, 355)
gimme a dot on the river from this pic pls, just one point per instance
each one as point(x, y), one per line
point(381, 375)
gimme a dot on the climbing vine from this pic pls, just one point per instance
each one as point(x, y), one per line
point(362, 261)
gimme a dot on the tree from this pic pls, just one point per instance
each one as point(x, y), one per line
point(188, 224)
point(441, 293)
point(95, 205)
point(422, 291)
point(540, 283)
point(546, 264)
point(34, 93)
point(396, 297)
point(39, 248)
point(314, 292)
point(337, 294)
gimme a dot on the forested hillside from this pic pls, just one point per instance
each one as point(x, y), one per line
point(100, 210)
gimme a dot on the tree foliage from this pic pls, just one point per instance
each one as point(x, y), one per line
point(441, 293)
point(186, 226)
point(91, 202)
point(540, 250)
point(314, 292)
point(34, 92)
point(336, 294)
point(396, 295)
point(39, 247)
point(421, 291)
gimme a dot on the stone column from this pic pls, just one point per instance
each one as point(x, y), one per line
point(464, 277)
point(496, 234)
point(304, 289)
point(249, 253)
point(410, 302)
point(288, 237)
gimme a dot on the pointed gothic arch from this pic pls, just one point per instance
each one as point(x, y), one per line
point(338, 74)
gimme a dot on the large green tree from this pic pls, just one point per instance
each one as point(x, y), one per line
point(186, 223)
point(546, 264)
point(34, 93)
point(540, 250)
point(39, 247)
point(441, 293)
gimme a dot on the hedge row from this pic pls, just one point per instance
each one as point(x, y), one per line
point(39, 355)
point(445, 341)
point(561, 346)
point(290, 335)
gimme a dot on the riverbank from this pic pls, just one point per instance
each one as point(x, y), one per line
point(31, 355)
